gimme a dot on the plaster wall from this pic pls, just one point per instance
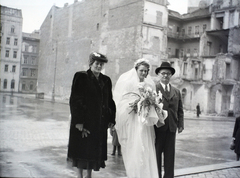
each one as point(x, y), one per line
point(233, 40)
point(155, 14)
point(67, 36)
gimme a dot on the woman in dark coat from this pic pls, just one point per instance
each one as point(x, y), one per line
point(236, 137)
point(92, 112)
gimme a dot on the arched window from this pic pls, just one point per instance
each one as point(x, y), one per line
point(12, 84)
point(5, 84)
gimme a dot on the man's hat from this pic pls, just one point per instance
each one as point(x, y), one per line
point(95, 56)
point(165, 65)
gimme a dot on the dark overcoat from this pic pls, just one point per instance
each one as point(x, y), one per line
point(166, 135)
point(173, 104)
point(236, 135)
point(91, 104)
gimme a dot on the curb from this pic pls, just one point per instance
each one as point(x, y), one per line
point(204, 169)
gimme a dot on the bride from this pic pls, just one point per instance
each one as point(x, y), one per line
point(135, 120)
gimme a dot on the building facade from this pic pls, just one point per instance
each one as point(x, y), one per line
point(11, 39)
point(69, 34)
point(29, 62)
point(200, 46)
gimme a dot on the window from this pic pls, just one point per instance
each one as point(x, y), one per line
point(169, 51)
point(196, 73)
point(5, 84)
point(97, 26)
point(178, 29)
point(35, 49)
point(204, 27)
point(6, 68)
point(195, 52)
point(228, 71)
point(13, 68)
point(23, 86)
point(188, 52)
point(15, 42)
point(7, 53)
point(197, 30)
point(209, 47)
point(30, 49)
point(14, 54)
point(31, 86)
point(189, 30)
point(25, 59)
point(33, 60)
point(184, 68)
point(183, 32)
point(12, 84)
point(13, 29)
point(26, 48)
point(8, 41)
point(24, 72)
point(181, 52)
point(33, 72)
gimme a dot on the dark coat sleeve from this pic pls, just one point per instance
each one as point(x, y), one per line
point(236, 127)
point(77, 99)
point(112, 106)
point(180, 112)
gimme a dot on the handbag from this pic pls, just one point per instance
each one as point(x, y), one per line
point(232, 145)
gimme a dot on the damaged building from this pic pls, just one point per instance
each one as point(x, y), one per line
point(203, 45)
point(124, 30)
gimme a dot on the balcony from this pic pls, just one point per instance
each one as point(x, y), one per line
point(180, 36)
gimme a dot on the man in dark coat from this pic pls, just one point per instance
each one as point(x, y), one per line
point(236, 137)
point(92, 112)
point(166, 135)
point(198, 110)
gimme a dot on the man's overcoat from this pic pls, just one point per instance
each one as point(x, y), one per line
point(91, 104)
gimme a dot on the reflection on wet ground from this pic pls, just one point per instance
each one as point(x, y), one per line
point(34, 138)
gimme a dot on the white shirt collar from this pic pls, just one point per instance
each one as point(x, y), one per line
point(163, 85)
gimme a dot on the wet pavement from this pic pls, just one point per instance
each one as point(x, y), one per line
point(34, 138)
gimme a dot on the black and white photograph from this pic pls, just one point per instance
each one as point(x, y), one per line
point(120, 88)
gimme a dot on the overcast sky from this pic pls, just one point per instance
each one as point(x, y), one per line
point(35, 11)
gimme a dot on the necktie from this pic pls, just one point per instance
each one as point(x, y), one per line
point(166, 90)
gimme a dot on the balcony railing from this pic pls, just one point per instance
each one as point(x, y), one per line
point(181, 36)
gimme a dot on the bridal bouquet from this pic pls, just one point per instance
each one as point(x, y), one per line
point(148, 98)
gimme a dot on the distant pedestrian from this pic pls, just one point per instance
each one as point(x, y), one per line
point(115, 142)
point(236, 138)
point(198, 110)
point(92, 113)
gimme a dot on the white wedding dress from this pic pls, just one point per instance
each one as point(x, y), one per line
point(135, 132)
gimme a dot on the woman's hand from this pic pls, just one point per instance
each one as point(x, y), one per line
point(84, 131)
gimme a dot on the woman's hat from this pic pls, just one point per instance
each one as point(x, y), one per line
point(95, 56)
point(165, 65)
